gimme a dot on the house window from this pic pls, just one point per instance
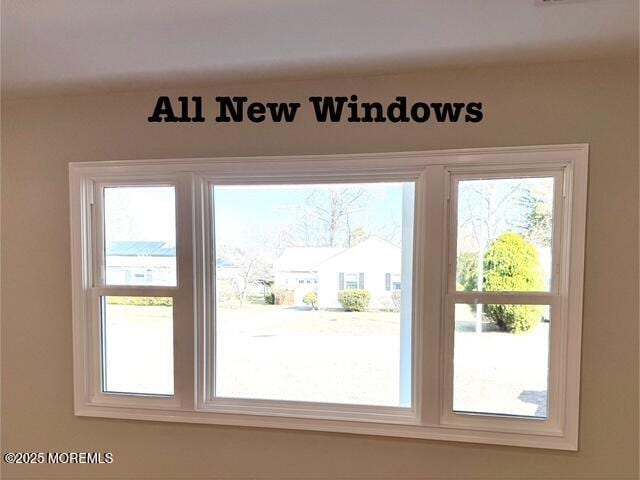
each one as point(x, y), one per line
point(221, 291)
point(352, 281)
point(392, 281)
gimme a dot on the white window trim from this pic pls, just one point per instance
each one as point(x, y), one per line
point(553, 298)
point(290, 173)
point(430, 416)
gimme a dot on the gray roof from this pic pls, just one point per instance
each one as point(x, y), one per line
point(140, 249)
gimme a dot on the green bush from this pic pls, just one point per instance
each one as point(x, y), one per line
point(515, 318)
point(311, 299)
point(513, 264)
point(354, 300)
point(270, 299)
point(141, 301)
point(467, 273)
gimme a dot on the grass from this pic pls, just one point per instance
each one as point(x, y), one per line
point(261, 319)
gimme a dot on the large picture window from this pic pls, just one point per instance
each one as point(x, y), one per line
point(333, 338)
point(423, 294)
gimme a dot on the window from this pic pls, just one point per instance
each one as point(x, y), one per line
point(351, 281)
point(425, 294)
point(329, 350)
point(139, 235)
point(392, 281)
point(505, 243)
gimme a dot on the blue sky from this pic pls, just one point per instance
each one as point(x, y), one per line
point(246, 215)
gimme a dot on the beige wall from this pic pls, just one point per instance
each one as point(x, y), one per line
point(564, 103)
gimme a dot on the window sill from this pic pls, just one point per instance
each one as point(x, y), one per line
point(428, 432)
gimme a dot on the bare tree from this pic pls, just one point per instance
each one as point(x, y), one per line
point(537, 222)
point(327, 215)
point(249, 269)
point(484, 222)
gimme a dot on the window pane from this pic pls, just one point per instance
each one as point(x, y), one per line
point(302, 308)
point(137, 339)
point(504, 234)
point(501, 359)
point(140, 236)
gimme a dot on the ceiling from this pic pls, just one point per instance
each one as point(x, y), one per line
point(65, 45)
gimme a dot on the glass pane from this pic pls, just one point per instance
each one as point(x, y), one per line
point(137, 342)
point(140, 236)
point(501, 359)
point(304, 312)
point(504, 234)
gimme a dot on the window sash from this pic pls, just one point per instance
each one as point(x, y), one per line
point(457, 175)
point(99, 268)
point(207, 399)
point(553, 298)
point(97, 288)
point(432, 171)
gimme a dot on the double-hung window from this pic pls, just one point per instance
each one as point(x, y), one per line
point(423, 294)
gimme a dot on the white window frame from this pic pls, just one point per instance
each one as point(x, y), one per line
point(430, 332)
point(553, 298)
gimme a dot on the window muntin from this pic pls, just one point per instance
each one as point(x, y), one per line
point(140, 235)
point(283, 336)
point(432, 336)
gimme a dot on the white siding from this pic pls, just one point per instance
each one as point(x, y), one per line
point(374, 257)
point(300, 282)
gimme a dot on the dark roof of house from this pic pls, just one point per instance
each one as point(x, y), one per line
point(139, 249)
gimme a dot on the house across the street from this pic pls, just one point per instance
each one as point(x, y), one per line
point(373, 265)
point(140, 263)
